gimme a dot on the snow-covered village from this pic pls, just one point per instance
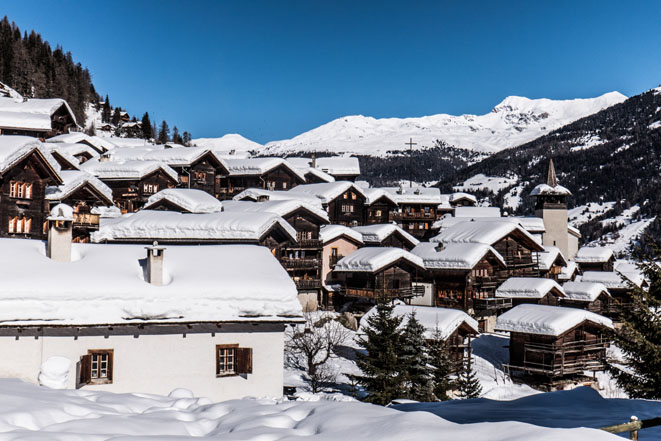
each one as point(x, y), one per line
point(276, 233)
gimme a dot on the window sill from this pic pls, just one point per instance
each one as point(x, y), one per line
point(97, 382)
point(233, 374)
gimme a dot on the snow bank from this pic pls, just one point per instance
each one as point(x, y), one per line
point(546, 320)
point(494, 184)
point(372, 259)
point(54, 372)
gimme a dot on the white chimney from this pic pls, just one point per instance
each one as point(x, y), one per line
point(155, 264)
point(60, 233)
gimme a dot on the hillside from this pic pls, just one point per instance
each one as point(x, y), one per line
point(513, 122)
point(613, 155)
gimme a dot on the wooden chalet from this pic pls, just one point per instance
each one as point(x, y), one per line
point(343, 201)
point(83, 192)
point(342, 168)
point(26, 170)
point(554, 344)
point(265, 173)
point(619, 285)
point(38, 118)
point(593, 297)
point(132, 182)
point(462, 200)
point(535, 290)
point(184, 200)
point(595, 259)
point(374, 273)
point(416, 209)
point(551, 262)
point(387, 235)
point(380, 208)
point(337, 241)
point(99, 145)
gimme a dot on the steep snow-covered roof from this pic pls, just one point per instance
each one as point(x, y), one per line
point(205, 227)
point(189, 199)
point(611, 279)
point(129, 142)
point(339, 165)
point(528, 288)
point(454, 197)
point(75, 149)
point(276, 195)
point(445, 320)
point(567, 272)
point(485, 232)
point(544, 189)
point(377, 233)
point(176, 156)
point(99, 144)
point(75, 179)
point(283, 207)
point(259, 166)
point(372, 259)
point(415, 195)
point(477, 212)
point(106, 285)
point(530, 224)
point(594, 255)
point(374, 194)
point(328, 233)
point(14, 148)
point(547, 320)
point(32, 114)
point(584, 291)
point(547, 258)
point(461, 256)
point(318, 173)
point(126, 169)
point(326, 191)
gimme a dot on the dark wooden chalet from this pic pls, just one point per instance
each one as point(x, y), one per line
point(595, 259)
point(593, 297)
point(387, 235)
point(555, 344)
point(264, 173)
point(551, 262)
point(416, 209)
point(24, 175)
point(344, 201)
point(532, 290)
point(380, 206)
point(38, 118)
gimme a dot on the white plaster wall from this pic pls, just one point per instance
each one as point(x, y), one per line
point(157, 363)
point(572, 247)
point(427, 299)
point(556, 225)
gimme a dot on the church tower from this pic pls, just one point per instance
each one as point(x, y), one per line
point(551, 205)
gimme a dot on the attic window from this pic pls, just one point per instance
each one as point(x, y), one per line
point(20, 190)
point(233, 360)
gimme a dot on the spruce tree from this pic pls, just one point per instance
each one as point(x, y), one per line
point(176, 137)
point(105, 113)
point(381, 377)
point(164, 133)
point(414, 361)
point(146, 127)
point(187, 138)
point(467, 383)
point(639, 338)
point(441, 364)
point(116, 116)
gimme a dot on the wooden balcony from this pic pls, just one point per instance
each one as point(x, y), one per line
point(289, 263)
point(397, 216)
point(87, 220)
point(557, 360)
point(491, 304)
point(310, 243)
point(304, 284)
point(380, 293)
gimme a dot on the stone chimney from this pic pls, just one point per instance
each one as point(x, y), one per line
point(60, 233)
point(439, 247)
point(314, 161)
point(155, 264)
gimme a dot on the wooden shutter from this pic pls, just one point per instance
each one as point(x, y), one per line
point(110, 365)
point(244, 360)
point(85, 369)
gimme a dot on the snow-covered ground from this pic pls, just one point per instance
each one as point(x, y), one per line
point(494, 184)
point(29, 412)
point(513, 199)
point(583, 213)
point(229, 142)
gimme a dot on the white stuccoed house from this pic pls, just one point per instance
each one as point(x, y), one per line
point(131, 318)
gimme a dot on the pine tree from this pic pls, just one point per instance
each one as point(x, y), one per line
point(146, 127)
point(414, 361)
point(441, 363)
point(187, 138)
point(640, 339)
point(176, 137)
point(164, 133)
point(116, 116)
point(105, 113)
point(467, 383)
point(380, 365)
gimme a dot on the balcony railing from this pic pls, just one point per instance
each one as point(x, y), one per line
point(417, 215)
point(86, 219)
point(307, 284)
point(378, 293)
point(491, 304)
point(311, 243)
point(300, 263)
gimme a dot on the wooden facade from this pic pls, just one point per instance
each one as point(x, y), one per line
point(83, 200)
point(61, 122)
point(380, 211)
point(602, 305)
point(23, 205)
point(416, 218)
point(347, 209)
point(205, 173)
point(278, 178)
point(132, 194)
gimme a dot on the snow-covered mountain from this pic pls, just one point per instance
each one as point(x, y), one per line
point(513, 122)
point(231, 141)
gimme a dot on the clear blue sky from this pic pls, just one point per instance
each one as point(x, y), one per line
point(273, 69)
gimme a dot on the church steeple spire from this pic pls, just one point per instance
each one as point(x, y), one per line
point(551, 178)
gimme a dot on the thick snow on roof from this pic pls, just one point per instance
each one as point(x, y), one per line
point(612, 280)
point(75, 149)
point(485, 232)
point(380, 232)
point(328, 233)
point(374, 194)
point(172, 225)
point(527, 288)
point(78, 137)
point(547, 320)
point(477, 212)
point(566, 272)
point(129, 142)
point(176, 156)
point(547, 257)
point(34, 113)
point(259, 166)
point(277, 195)
point(228, 142)
point(283, 207)
point(372, 259)
point(584, 291)
point(14, 148)
point(318, 173)
point(461, 256)
point(446, 320)
point(544, 189)
point(189, 199)
point(75, 179)
point(594, 255)
point(530, 224)
point(126, 169)
point(339, 165)
point(106, 285)
point(326, 191)
point(460, 195)
point(61, 212)
point(415, 195)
